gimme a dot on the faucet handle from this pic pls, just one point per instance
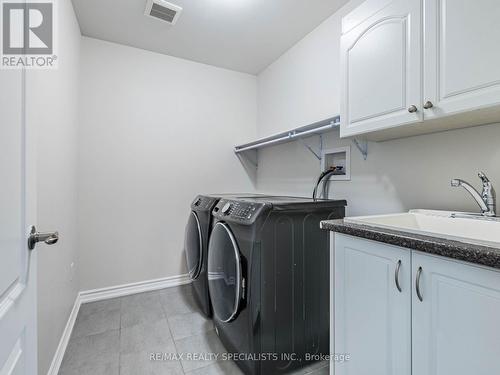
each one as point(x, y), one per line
point(483, 178)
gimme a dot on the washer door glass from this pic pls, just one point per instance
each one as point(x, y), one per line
point(224, 273)
point(193, 246)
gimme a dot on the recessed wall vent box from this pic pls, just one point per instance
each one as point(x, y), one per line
point(163, 11)
point(337, 157)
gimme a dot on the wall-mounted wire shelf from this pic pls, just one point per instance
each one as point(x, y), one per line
point(318, 128)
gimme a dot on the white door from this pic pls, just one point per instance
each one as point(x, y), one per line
point(381, 70)
point(462, 55)
point(456, 323)
point(372, 319)
point(17, 204)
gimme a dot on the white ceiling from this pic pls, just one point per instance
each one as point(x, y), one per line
point(243, 35)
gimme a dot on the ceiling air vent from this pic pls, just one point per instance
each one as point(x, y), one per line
point(163, 11)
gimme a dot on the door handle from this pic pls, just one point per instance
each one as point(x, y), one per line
point(417, 284)
point(49, 238)
point(396, 276)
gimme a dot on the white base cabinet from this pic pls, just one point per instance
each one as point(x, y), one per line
point(372, 317)
point(456, 326)
point(440, 317)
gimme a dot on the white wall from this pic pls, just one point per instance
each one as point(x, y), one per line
point(302, 87)
point(155, 131)
point(52, 104)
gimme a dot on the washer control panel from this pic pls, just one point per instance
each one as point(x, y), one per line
point(226, 209)
point(238, 211)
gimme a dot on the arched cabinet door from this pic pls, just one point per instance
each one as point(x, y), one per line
point(193, 246)
point(462, 58)
point(381, 70)
point(225, 280)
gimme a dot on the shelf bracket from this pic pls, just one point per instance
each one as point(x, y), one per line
point(249, 157)
point(362, 146)
point(318, 154)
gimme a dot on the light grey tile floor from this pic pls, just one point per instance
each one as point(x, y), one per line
point(118, 337)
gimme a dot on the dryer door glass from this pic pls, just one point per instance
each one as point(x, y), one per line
point(193, 246)
point(224, 273)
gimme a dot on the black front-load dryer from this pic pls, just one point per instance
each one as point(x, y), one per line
point(268, 276)
point(197, 235)
point(196, 246)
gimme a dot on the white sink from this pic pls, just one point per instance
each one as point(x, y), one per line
point(443, 224)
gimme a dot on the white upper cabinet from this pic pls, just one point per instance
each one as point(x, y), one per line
point(381, 70)
point(462, 55)
point(405, 74)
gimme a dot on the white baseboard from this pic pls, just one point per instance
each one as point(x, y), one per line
point(63, 342)
point(94, 295)
point(133, 288)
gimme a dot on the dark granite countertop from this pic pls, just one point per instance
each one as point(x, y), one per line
point(483, 255)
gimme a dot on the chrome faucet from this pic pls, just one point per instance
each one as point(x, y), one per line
point(486, 200)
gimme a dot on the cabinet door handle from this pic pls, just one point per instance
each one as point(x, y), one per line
point(417, 284)
point(396, 276)
point(412, 109)
point(428, 105)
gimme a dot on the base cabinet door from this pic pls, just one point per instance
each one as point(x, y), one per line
point(462, 58)
point(372, 313)
point(456, 322)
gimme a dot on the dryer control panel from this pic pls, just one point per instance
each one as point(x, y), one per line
point(202, 202)
point(237, 211)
